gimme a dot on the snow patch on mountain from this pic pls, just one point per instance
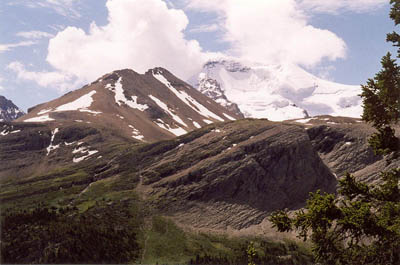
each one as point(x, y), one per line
point(136, 133)
point(304, 120)
point(90, 111)
point(8, 130)
point(196, 125)
point(229, 117)
point(84, 152)
point(44, 118)
point(176, 131)
point(44, 111)
point(167, 110)
point(82, 104)
point(120, 97)
point(182, 95)
point(276, 92)
point(52, 147)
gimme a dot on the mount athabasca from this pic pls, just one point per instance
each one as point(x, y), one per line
point(276, 92)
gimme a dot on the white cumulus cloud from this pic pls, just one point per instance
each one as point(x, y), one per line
point(34, 34)
point(58, 80)
point(10, 46)
point(140, 34)
point(67, 8)
point(334, 6)
point(271, 31)
point(205, 28)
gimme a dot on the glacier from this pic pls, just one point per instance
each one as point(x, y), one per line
point(276, 91)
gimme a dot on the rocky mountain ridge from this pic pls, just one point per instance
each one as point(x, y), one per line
point(149, 107)
point(8, 110)
point(212, 89)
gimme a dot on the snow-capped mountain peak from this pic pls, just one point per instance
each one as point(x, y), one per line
point(147, 107)
point(212, 89)
point(8, 110)
point(276, 92)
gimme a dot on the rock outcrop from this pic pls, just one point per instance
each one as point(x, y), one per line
point(236, 174)
point(8, 110)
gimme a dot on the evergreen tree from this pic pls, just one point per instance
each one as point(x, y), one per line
point(381, 102)
point(361, 226)
point(394, 37)
point(381, 95)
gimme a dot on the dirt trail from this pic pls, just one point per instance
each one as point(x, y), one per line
point(148, 224)
point(87, 188)
point(142, 189)
point(144, 249)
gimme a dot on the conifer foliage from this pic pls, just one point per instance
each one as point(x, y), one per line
point(361, 226)
point(49, 236)
point(381, 95)
point(381, 102)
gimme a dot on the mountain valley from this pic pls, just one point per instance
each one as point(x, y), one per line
point(176, 160)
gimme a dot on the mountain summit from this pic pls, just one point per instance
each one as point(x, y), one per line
point(147, 107)
point(8, 110)
point(276, 92)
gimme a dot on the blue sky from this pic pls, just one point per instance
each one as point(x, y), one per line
point(48, 47)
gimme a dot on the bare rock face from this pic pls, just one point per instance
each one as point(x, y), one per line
point(343, 149)
point(342, 143)
point(212, 89)
point(8, 110)
point(238, 173)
